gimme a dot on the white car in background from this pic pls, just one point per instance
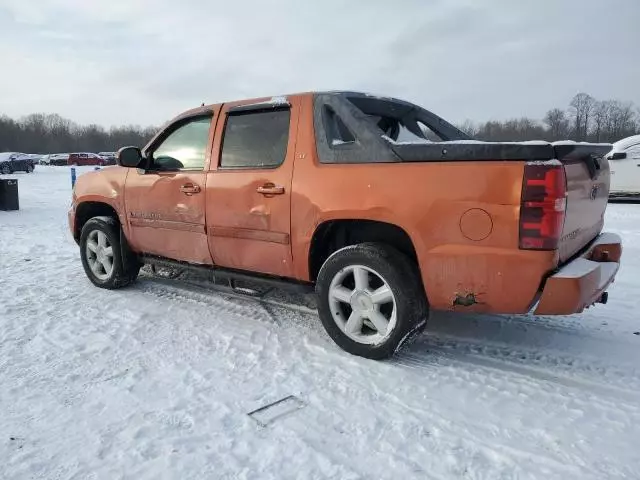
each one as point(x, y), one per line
point(109, 157)
point(624, 162)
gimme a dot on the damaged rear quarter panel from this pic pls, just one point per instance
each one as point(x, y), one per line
point(427, 200)
point(484, 279)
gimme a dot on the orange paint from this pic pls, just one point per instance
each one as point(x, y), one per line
point(462, 218)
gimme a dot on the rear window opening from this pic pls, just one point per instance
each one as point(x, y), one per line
point(397, 122)
point(337, 132)
point(407, 136)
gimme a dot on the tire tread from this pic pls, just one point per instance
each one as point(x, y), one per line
point(126, 268)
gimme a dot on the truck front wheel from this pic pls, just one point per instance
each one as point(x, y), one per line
point(101, 254)
point(370, 300)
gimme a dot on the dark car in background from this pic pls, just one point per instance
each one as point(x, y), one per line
point(109, 157)
point(15, 162)
point(56, 159)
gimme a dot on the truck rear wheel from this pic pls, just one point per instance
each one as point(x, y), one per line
point(370, 300)
point(101, 254)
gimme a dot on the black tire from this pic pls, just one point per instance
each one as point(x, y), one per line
point(125, 267)
point(6, 169)
point(402, 277)
point(29, 169)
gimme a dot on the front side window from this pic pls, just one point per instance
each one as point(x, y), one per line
point(184, 148)
point(255, 139)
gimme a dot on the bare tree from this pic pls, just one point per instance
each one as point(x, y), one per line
point(51, 133)
point(9, 133)
point(514, 129)
point(582, 107)
point(588, 119)
point(622, 121)
point(469, 128)
point(557, 123)
point(601, 113)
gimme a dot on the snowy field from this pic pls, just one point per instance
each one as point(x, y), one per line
point(156, 381)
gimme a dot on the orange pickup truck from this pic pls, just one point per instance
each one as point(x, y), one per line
point(382, 207)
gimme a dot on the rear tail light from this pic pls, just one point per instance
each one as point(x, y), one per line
point(543, 206)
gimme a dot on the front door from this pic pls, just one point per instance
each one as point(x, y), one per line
point(165, 202)
point(249, 187)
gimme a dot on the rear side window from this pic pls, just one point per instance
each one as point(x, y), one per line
point(255, 139)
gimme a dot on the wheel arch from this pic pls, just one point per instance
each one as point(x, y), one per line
point(332, 235)
point(86, 210)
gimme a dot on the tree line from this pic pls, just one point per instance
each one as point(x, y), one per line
point(585, 119)
point(51, 133)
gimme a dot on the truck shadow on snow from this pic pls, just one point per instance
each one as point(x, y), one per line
point(505, 337)
point(566, 351)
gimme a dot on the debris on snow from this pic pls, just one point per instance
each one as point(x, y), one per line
point(270, 413)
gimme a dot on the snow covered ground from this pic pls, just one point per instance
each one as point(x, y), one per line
point(155, 381)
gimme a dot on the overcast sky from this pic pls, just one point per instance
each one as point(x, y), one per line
point(143, 61)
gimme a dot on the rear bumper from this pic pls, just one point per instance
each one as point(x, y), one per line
point(583, 281)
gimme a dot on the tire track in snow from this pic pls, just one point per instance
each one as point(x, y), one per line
point(242, 327)
point(436, 432)
point(224, 302)
point(420, 362)
point(532, 378)
point(237, 304)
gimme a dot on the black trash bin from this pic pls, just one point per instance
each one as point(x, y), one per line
point(9, 194)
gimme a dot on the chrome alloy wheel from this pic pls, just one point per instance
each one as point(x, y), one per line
point(99, 255)
point(363, 305)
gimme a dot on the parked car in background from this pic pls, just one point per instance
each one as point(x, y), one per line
point(34, 157)
point(57, 159)
point(15, 162)
point(82, 159)
point(109, 157)
point(624, 161)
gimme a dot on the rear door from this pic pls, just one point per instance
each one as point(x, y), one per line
point(166, 202)
point(587, 173)
point(249, 187)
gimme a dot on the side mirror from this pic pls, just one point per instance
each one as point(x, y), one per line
point(618, 156)
point(129, 157)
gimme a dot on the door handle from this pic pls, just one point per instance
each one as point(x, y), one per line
point(270, 189)
point(190, 189)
